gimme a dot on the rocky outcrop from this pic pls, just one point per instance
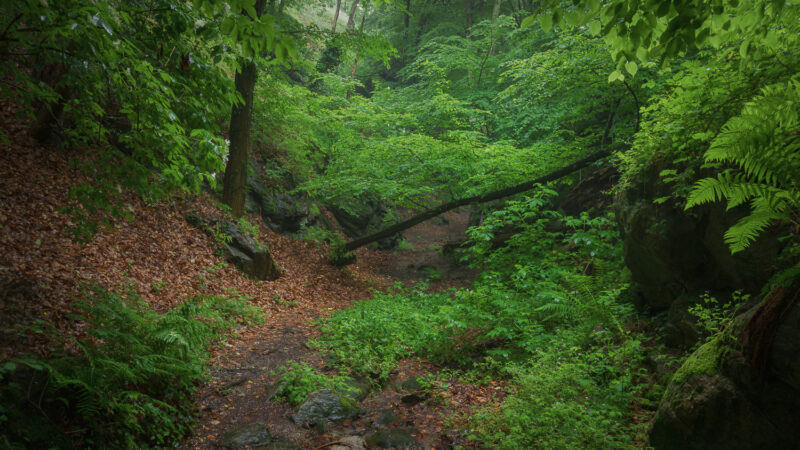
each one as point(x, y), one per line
point(283, 212)
point(671, 252)
point(721, 399)
point(248, 255)
point(239, 249)
point(365, 218)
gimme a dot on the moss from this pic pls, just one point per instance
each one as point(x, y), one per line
point(705, 360)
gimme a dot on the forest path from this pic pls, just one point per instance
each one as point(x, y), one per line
point(238, 391)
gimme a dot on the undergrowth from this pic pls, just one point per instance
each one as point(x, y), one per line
point(547, 313)
point(126, 383)
point(298, 379)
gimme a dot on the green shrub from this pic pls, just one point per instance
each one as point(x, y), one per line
point(131, 382)
point(545, 313)
point(297, 380)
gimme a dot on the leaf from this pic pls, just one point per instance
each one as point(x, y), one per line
point(526, 22)
point(546, 21)
point(616, 75)
point(595, 27)
point(631, 67)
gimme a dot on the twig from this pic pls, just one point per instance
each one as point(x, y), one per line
point(329, 444)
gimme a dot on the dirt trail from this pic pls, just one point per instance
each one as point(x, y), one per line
point(237, 393)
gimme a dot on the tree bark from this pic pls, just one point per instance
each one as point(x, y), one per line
point(336, 15)
point(468, 14)
point(419, 218)
point(234, 187)
point(495, 14)
point(351, 23)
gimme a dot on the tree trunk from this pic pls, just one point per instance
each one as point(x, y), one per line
point(234, 187)
point(336, 15)
point(468, 14)
point(419, 218)
point(495, 14)
point(355, 61)
point(351, 23)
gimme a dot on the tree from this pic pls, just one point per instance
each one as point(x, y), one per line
point(495, 195)
point(235, 183)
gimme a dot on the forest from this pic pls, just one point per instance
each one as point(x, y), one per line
point(426, 224)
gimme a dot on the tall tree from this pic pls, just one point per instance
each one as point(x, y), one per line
point(336, 15)
point(351, 23)
point(235, 182)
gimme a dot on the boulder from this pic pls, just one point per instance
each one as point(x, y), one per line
point(671, 252)
point(281, 211)
point(244, 252)
point(391, 438)
point(248, 255)
point(363, 218)
point(718, 399)
point(255, 435)
point(326, 406)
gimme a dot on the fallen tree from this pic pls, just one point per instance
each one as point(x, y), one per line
point(495, 195)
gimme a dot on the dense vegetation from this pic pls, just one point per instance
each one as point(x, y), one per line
point(409, 105)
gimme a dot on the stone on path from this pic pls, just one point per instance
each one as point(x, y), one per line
point(393, 438)
point(326, 406)
point(255, 435)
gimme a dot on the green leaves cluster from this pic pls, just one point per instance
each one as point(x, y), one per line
point(546, 313)
point(131, 383)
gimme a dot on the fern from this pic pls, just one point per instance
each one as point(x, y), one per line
point(137, 371)
point(763, 146)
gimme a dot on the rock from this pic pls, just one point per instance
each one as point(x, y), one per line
point(349, 443)
point(361, 388)
point(249, 256)
point(392, 438)
point(387, 416)
point(326, 406)
point(681, 327)
point(253, 435)
point(282, 212)
point(364, 218)
point(718, 400)
point(244, 252)
point(671, 252)
point(411, 384)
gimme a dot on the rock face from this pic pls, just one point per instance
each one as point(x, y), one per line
point(719, 400)
point(365, 218)
point(282, 212)
point(326, 406)
point(249, 256)
point(671, 252)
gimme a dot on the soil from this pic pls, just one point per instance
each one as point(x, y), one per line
point(236, 394)
point(163, 259)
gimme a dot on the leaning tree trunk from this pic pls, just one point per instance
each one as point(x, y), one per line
point(443, 208)
point(234, 187)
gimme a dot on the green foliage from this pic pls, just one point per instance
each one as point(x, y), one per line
point(761, 143)
point(298, 379)
point(338, 255)
point(247, 228)
point(131, 383)
point(712, 316)
point(567, 396)
point(545, 312)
